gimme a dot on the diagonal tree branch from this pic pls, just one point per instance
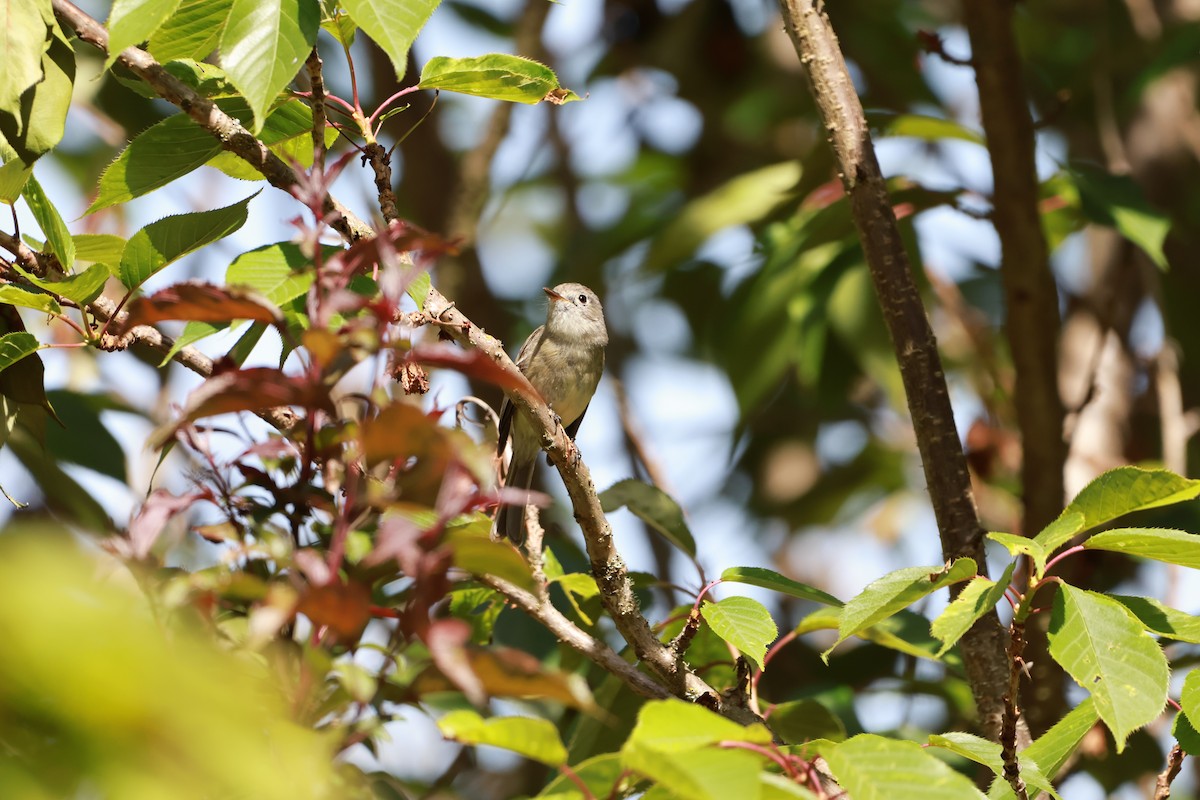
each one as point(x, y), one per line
point(942, 456)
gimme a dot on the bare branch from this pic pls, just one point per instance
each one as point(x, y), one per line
point(941, 451)
point(1031, 297)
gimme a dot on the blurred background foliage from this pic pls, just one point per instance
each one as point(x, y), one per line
point(693, 189)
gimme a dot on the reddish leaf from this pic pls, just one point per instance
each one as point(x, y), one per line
point(255, 389)
point(507, 672)
point(363, 256)
point(343, 608)
point(446, 640)
point(201, 302)
point(314, 567)
point(401, 431)
point(145, 528)
point(472, 363)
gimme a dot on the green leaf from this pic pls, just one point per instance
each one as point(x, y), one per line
point(799, 721)
point(770, 579)
point(742, 200)
point(906, 632)
point(158, 155)
point(654, 507)
point(743, 622)
point(13, 175)
point(579, 587)
point(392, 24)
point(599, 773)
point(132, 22)
point(24, 24)
point(1118, 202)
point(287, 132)
point(1189, 696)
point(781, 787)
point(419, 288)
point(1163, 620)
point(16, 346)
point(16, 296)
point(988, 753)
point(340, 26)
point(192, 31)
point(920, 126)
point(671, 745)
point(83, 438)
point(1020, 545)
point(977, 598)
point(869, 766)
point(1103, 647)
point(52, 225)
point(475, 552)
point(895, 591)
point(1114, 494)
point(497, 76)
point(674, 726)
point(1186, 734)
point(83, 287)
point(263, 46)
point(536, 739)
point(171, 238)
point(33, 118)
point(98, 248)
point(192, 332)
point(1159, 544)
point(711, 775)
point(279, 272)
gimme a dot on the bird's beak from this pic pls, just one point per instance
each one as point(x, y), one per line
point(553, 295)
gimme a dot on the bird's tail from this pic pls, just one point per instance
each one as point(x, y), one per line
point(510, 519)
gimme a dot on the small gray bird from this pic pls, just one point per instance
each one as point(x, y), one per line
point(563, 360)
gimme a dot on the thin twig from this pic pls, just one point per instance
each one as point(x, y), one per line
point(1012, 711)
point(316, 82)
point(1162, 787)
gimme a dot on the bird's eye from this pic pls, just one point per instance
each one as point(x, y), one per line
point(583, 299)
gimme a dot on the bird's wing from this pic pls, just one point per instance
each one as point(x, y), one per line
point(507, 409)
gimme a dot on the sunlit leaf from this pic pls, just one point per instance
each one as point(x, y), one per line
point(264, 45)
point(1114, 494)
point(82, 287)
point(977, 598)
point(1103, 647)
point(895, 591)
point(16, 296)
point(497, 76)
point(873, 766)
point(531, 737)
point(158, 155)
point(391, 24)
point(1163, 620)
point(743, 622)
point(769, 579)
point(33, 116)
point(171, 238)
point(1159, 544)
point(988, 753)
point(58, 238)
point(192, 31)
point(131, 22)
